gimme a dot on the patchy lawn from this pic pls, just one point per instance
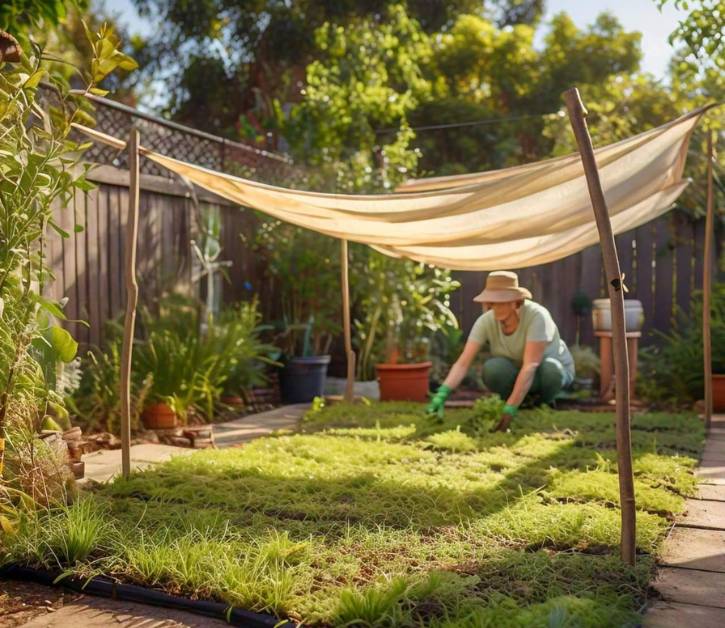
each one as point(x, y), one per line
point(375, 516)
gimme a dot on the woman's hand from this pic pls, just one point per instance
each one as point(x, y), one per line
point(508, 414)
point(438, 402)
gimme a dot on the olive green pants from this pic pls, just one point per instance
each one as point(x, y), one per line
point(499, 375)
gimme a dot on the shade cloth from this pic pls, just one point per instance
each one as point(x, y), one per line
point(512, 218)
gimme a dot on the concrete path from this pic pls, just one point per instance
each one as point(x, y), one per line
point(104, 465)
point(95, 612)
point(691, 577)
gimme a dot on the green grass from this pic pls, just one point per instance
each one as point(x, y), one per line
point(374, 515)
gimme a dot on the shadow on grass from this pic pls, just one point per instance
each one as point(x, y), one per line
point(295, 492)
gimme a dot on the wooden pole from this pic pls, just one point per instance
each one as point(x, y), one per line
point(131, 300)
point(349, 353)
point(707, 284)
point(577, 117)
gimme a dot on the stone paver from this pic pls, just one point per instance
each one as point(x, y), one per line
point(90, 612)
point(711, 491)
point(694, 548)
point(712, 473)
point(256, 425)
point(691, 586)
point(705, 513)
point(664, 614)
point(105, 464)
point(102, 466)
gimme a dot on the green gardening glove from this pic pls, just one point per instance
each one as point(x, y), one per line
point(438, 401)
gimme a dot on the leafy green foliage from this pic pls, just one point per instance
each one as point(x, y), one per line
point(174, 361)
point(586, 361)
point(486, 413)
point(384, 523)
point(19, 16)
point(40, 165)
point(401, 305)
point(303, 272)
point(368, 75)
point(671, 370)
point(702, 29)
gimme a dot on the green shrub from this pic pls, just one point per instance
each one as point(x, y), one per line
point(176, 362)
point(586, 361)
point(671, 371)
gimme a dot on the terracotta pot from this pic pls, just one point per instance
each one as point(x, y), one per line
point(403, 382)
point(232, 400)
point(718, 392)
point(158, 416)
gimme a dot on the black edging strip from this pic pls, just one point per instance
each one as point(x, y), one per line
point(103, 587)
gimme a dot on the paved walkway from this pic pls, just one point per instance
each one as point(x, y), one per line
point(691, 578)
point(103, 465)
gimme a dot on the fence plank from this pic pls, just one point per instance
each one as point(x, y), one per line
point(590, 284)
point(168, 257)
point(93, 252)
point(664, 274)
point(69, 259)
point(643, 290)
point(114, 254)
point(54, 258)
point(699, 245)
point(123, 222)
point(684, 255)
point(104, 288)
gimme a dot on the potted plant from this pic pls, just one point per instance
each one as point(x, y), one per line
point(587, 366)
point(303, 374)
point(400, 306)
point(404, 374)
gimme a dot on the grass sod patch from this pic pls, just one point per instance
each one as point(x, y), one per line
point(376, 516)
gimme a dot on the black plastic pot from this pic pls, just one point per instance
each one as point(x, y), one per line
point(303, 379)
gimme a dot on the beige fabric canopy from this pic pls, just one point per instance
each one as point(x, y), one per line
point(511, 218)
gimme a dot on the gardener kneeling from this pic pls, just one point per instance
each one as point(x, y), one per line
point(528, 356)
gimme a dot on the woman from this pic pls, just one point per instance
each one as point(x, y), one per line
point(528, 356)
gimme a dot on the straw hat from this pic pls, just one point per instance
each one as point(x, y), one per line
point(502, 286)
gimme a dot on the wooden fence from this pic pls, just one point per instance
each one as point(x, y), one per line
point(88, 264)
point(662, 260)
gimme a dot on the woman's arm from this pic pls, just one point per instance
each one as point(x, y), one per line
point(533, 355)
point(460, 368)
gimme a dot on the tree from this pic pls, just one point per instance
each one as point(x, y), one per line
point(486, 73)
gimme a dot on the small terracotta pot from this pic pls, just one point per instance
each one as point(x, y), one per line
point(403, 382)
point(232, 400)
point(718, 392)
point(159, 416)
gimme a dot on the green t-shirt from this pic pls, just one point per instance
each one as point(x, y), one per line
point(535, 324)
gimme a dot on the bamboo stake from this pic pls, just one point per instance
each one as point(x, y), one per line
point(707, 284)
point(131, 300)
point(349, 353)
point(577, 117)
